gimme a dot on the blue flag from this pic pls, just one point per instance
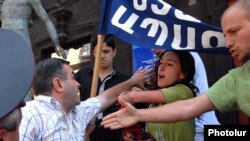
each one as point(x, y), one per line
point(156, 24)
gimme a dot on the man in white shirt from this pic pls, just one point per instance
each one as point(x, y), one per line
point(57, 112)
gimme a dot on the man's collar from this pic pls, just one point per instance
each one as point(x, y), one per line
point(48, 99)
point(91, 71)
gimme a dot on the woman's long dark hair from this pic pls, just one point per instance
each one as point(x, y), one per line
point(187, 67)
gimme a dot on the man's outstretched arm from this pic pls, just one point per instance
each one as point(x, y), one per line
point(176, 111)
point(109, 96)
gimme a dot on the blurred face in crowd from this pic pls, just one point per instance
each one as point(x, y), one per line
point(169, 70)
point(71, 88)
point(107, 56)
point(236, 28)
point(9, 135)
point(9, 126)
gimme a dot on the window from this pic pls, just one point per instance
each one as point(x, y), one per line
point(76, 56)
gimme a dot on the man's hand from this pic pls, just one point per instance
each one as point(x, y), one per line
point(125, 117)
point(127, 96)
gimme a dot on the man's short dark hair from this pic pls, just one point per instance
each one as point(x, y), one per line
point(46, 70)
point(109, 40)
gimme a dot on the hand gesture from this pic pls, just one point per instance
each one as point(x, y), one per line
point(127, 96)
point(140, 76)
point(125, 117)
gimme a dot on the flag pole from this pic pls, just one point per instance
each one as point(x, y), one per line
point(100, 39)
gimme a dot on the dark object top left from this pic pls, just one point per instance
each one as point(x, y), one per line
point(16, 71)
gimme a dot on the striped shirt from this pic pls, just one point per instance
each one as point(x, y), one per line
point(45, 120)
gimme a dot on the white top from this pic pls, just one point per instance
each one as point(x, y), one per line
point(200, 81)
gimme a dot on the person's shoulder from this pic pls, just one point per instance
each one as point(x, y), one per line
point(29, 103)
point(89, 103)
point(238, 71)
point(83, 72)
point(84, 69)
point(122, 75)
point(31, 109)
point(179, 89)
point(35, 108)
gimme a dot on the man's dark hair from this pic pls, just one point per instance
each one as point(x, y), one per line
point(46, 71)
point(109, 40)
